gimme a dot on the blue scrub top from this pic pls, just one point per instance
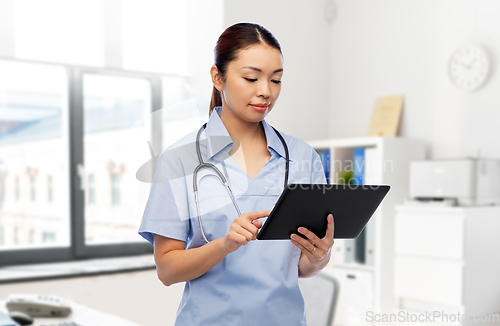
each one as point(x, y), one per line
point(258, 283)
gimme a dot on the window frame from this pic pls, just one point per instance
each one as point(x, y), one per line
point(77, 249)
point(91, 189)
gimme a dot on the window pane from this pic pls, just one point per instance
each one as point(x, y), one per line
point(154, 36)
point(33, 146)
point(115, 146)
point(60, 31)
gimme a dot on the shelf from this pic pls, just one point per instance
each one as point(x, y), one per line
point(361, 142)
point(376, 275)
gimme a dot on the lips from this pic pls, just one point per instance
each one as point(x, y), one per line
point(260, 107)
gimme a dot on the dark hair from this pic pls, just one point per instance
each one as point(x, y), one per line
point(234, 38)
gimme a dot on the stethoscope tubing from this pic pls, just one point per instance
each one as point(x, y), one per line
point(222, 178)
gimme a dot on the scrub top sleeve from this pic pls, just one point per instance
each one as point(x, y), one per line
point(167, 208)
point(318, 173)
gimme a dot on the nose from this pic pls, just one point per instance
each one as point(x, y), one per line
point(264, 89)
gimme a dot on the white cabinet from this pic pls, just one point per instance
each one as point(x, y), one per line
point(368, 286)
point(447, 260)
point(429, 280)
point(421, 234)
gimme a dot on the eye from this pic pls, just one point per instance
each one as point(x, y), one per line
point(276, 81)
point(250, 79)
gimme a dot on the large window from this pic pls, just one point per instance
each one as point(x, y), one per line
point(114, 148)
point(68, 134)
point(91, 92)
point(34, 143)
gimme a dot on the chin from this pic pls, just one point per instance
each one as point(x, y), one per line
point(260, 117)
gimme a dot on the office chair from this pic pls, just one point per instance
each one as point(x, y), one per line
point(320, 296)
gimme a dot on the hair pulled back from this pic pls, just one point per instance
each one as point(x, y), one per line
point(234, 38)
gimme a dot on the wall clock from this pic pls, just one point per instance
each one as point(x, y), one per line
point(469, 67)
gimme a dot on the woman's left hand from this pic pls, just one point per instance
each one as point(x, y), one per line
point(316, 250)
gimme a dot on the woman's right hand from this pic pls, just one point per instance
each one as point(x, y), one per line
point(244, 229)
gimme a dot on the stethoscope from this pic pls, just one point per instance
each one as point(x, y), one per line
point(221, 176)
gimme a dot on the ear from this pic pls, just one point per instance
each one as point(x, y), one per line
point(216, 77)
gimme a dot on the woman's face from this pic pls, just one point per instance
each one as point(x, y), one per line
point(253, 82)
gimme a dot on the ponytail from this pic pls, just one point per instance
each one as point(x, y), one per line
point(215, 101)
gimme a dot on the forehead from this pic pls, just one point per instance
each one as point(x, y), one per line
point(261, 56)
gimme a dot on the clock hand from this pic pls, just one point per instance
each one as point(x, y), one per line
point(471, 63)
point(463, 64)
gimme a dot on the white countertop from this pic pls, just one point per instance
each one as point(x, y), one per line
point(80, 316)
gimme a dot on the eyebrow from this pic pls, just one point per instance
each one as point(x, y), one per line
point(260, 70)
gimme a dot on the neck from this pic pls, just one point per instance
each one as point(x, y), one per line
point(242, 130)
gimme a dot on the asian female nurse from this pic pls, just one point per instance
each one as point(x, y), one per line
point(234, 279)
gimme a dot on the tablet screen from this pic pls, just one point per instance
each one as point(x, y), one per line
point(308, 205)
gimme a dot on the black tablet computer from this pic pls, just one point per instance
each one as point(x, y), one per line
point(308, 205)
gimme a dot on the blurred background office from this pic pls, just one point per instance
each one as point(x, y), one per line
point(91, 91)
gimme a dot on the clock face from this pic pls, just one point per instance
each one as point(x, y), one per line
point(469, 67)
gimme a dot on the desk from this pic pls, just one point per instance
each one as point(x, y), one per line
point(80, 316)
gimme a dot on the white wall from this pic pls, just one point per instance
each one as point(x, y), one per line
point(201, 45)
point(388, 47)
point(304, 35)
